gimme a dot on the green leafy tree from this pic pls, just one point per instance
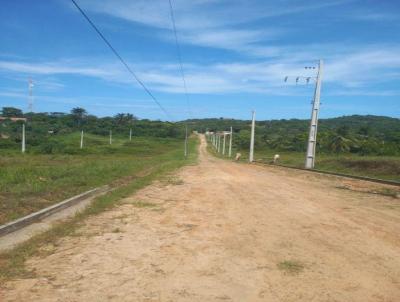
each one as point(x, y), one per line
point(11, 112)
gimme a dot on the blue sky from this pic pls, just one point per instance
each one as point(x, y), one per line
point(235, 56)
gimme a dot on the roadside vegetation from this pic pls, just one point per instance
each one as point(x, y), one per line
point(54, 167)
point(359, 145)
point(156, 167)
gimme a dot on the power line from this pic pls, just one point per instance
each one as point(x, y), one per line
point(121, 59)
point(178, 49)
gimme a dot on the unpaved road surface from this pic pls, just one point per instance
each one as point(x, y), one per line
point(222, 231)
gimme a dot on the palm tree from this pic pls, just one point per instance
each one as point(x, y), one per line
point(119, 118)
point(79, 114)
point(340, 144)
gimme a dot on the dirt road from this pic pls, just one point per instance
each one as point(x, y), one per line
point(222, 231)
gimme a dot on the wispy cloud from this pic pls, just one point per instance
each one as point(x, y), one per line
point(344, 70)
point(209, 23)
point(62, 67)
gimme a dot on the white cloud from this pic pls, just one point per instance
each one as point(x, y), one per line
point(222, 24)
point(51, 68)
point(346, 71)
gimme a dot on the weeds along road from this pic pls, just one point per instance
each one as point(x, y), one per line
point(221, 231)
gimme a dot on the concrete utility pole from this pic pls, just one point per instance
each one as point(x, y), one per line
point(312, 137)
point(130, 134)
point(186, 141)
point(81, 139)
point(23, 139)
point(223, 148)
point(253, 124)
point(110, 137)
point(230, 144)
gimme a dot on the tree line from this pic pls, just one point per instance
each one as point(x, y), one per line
point(43, 128)
point(363, 135)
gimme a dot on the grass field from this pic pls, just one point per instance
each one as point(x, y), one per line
point(32, 181)
point(384, 167)
point(146, 165)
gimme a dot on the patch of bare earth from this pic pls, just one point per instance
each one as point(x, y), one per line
point(222, 231)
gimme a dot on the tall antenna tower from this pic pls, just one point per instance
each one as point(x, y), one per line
point(30, 99)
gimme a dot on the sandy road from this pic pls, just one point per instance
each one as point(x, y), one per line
point(229, 232)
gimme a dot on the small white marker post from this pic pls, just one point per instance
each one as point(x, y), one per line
point(23, 139)
point(219, 143)
point(253, 122)
point(110, 137)
point(81, 140)
point(186, 141)
point(130, 134)
point(230, 143)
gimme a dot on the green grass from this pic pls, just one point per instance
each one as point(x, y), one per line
point(291, 267)
point(12, 263)
point(383, 167)
point(143, 204)
point(29, 182)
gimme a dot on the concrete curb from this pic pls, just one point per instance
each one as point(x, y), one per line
point(26, 220)
point(364, 178)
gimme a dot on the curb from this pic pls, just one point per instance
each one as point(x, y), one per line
point(29, 219)
point(376, 180)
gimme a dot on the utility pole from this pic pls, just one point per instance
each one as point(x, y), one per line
point(230, 143)
point(110, 137)
point(81, 140)
point(223, 148)
point(130, 134)
point(30, 99)
point(312, 137)
point(253, 123)
point(186, 141)
point(23, 139)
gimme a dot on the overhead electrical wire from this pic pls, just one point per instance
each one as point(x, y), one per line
point(122, 60)
point(178, 49)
